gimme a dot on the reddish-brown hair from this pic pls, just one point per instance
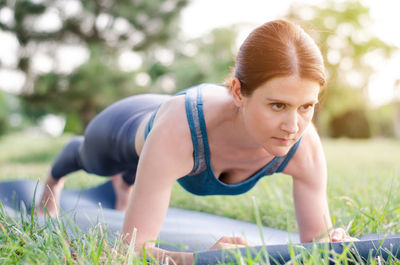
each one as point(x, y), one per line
point(277, 48)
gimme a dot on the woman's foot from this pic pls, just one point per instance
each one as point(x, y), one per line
point(122, 192)
point(49, 203)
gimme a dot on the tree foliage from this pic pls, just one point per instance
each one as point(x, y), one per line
point(352, 124)
point(214, 56)
point(342, 30)
point(3, 114)
point(206, 59)
point(103, 29)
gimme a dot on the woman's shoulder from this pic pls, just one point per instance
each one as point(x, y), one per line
point(173, 117)
point(170, 137)
point(213, 89)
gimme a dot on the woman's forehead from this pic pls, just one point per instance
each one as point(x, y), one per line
point(288, 88)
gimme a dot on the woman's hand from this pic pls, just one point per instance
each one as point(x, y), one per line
point(230, 242)
point(337, 235)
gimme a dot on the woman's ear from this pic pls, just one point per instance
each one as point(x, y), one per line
point(236, 92)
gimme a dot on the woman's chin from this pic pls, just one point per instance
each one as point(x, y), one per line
point(278, 150)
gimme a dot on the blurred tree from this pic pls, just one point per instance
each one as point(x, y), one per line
point(342, 30)
point(382, 120)
point(102, 31)
point(396, 107)
point(352, 124)
point(3, 114)
point(81, 94)
point(396, 118)
point(202, 60)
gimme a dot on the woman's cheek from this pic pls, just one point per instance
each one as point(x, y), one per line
point(308, 116)
point(305, 121)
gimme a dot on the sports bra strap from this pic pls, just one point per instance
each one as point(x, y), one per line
point(289, 155)
point(149, 124)
point(193, 102)
point(193, 105)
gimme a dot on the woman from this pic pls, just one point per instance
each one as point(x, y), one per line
point(214, 139)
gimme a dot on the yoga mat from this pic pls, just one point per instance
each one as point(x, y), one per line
point(186, 230)
point(374, 247)
point(182, 230)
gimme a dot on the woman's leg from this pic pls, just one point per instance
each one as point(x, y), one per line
point(106, 149)
point(50, 201)
point(122, 191)
point(67, 162)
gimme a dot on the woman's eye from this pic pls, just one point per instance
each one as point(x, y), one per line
point(307, 107)
point(278, 106)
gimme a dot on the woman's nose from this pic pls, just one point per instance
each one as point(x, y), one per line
point(290, 123)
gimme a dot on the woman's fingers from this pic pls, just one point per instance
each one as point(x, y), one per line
point(335, 235)
point(339, 234)
point(230, 242)
point(234, 240)
point(221, 245)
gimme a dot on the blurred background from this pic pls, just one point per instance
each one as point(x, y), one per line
point(62, 61)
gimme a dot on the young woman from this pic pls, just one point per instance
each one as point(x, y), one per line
point(214, 139)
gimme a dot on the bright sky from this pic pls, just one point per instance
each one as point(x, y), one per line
point(203, 15)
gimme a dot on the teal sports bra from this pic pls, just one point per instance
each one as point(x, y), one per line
point(202, 180)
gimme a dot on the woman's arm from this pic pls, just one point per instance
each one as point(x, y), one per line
point(166, 156)
point(309, 172)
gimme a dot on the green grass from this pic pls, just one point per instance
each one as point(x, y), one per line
point(24, 240)
point(24, 156)
point(364, 180)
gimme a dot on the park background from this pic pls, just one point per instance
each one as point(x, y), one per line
point(63, 61)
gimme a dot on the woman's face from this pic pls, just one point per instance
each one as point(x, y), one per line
point(277, 112)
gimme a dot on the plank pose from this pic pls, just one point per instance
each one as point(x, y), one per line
point(213, 139)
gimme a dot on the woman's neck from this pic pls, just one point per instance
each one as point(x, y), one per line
point(230, 128)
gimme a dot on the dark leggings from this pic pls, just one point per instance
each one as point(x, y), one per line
point(108, 145)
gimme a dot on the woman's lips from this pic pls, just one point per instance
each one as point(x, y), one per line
point(283, 141)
